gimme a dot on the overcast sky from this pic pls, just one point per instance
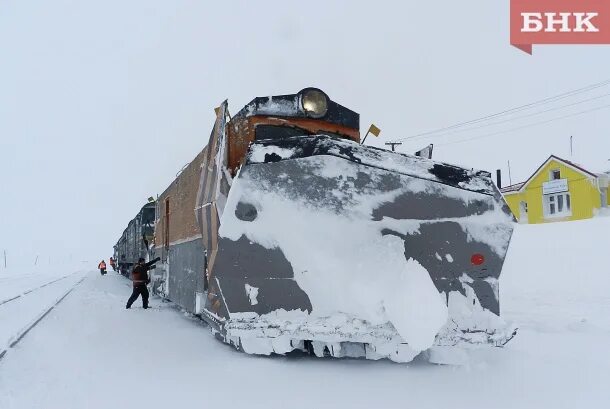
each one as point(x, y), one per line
point(103, 102)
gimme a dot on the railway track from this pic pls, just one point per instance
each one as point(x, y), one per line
point(6, 301)
point(20, 335)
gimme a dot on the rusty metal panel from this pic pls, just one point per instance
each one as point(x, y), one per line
point(182, 195)
point(213, 186)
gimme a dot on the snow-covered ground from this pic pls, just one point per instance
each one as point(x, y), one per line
point(89, 352)
point(26, 294)
point(17, 280)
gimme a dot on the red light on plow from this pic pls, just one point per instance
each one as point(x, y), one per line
point(477, 259)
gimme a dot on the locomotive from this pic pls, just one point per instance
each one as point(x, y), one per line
point(286, 233)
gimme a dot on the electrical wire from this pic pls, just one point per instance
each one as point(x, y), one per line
point(514, 119)
point(512, 110)
point(526, 126)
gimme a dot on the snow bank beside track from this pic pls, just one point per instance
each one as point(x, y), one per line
point(19, 279)
point(19, 315)
point(558, 274)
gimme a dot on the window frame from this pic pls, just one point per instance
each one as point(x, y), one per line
point(552, 174)
point(551, 205)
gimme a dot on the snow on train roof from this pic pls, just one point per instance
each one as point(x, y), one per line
point(295, 147)
point(272, 106)
point(289, 106)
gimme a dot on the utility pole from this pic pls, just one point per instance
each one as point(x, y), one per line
point(393, 145)
point(4, 258)
point(571, 147)
point(510, 179)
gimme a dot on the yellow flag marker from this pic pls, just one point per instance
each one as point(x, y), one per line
point(374, 130)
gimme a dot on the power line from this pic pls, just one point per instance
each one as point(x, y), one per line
point(512, 119)
point(515, 109)
point(527, 126)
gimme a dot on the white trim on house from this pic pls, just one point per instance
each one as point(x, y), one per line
point(541, 168)
point(557, 205)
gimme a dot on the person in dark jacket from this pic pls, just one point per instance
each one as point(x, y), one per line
point(139, 277)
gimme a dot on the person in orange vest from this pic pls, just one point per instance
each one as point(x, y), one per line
point(112, 263)
point(102, 267)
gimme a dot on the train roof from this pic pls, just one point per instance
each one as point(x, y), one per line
point(146, 206)
point(290, 106)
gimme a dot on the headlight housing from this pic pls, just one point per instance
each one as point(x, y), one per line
point(314, 102)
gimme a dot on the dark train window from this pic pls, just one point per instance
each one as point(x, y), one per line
point(278, 132)
point(148, 215)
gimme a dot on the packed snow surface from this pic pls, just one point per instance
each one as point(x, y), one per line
point(259, 154)
point(26, 296)
point(252, 293)
point(392, 161)
point(272, 106)
point(416, 308)
point(342, 260)
point(20, 279)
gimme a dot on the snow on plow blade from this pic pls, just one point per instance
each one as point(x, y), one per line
point(345, 250)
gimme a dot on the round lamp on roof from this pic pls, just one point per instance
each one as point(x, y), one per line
point(314, 102)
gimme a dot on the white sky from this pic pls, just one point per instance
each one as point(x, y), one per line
point(102, 102)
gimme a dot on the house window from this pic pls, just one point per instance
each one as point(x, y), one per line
point(555, 174)
point(557, 205)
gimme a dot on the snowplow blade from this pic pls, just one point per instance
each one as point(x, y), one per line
point(340, 249)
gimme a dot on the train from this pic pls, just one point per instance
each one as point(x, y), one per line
point(136, 239)
point(285, 233)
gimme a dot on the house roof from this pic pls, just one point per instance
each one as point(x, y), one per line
point(573, 165)
point(519, 186)
point(511, 188)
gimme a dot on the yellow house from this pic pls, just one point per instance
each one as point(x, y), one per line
point(558, 190)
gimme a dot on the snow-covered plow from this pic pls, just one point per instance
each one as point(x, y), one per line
point(320, 244)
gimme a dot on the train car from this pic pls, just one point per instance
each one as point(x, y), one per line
point(178, 241)
point(285, 233)
point(136, 239)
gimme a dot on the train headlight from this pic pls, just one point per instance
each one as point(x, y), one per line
point(314, 102)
